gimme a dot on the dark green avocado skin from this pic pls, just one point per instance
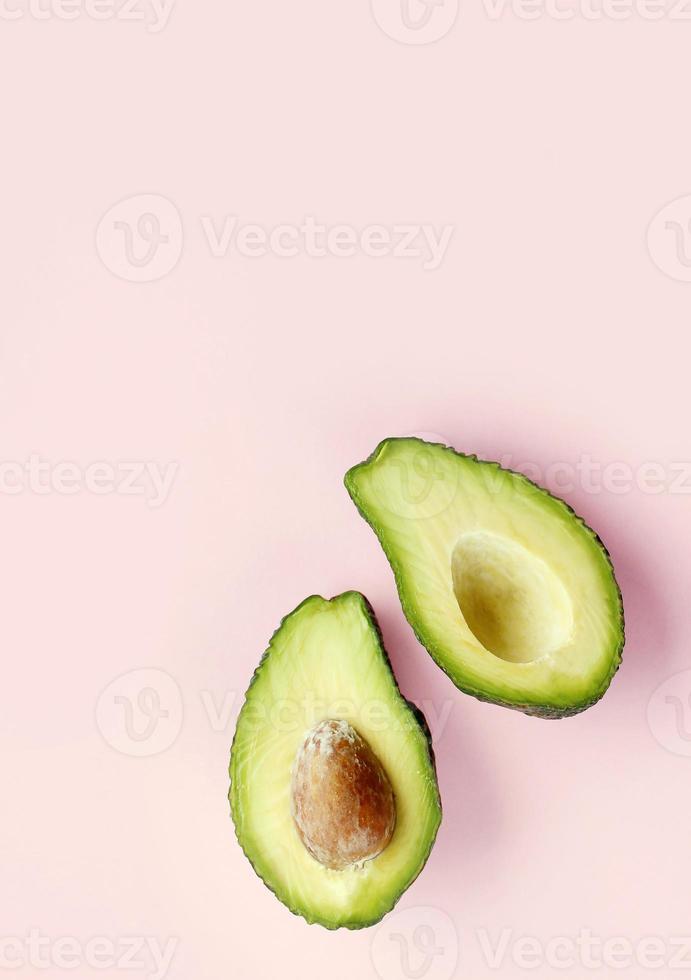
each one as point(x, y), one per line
point(546, 711)
point(418, 718)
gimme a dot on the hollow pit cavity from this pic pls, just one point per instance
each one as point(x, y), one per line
point(512, 601)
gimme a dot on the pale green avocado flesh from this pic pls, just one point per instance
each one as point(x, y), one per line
point(327, 660)
point(511, 593)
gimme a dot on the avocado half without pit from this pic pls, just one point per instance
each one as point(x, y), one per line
point(333, 787)
point(511, 593)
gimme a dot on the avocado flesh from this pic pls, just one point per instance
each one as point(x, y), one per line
point(326, 660)
point(511, 593)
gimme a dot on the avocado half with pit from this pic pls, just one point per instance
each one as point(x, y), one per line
point(511, 593)
point(333, 787)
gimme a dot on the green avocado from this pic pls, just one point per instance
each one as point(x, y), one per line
point(327, 661)
point(511, 593)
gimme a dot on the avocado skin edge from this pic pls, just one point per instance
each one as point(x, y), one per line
point(419, 719)
point(536, 710)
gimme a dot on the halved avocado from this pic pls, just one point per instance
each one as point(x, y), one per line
point(326, 669)
point(511, 593)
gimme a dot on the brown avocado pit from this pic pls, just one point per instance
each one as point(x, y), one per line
point(342, 802)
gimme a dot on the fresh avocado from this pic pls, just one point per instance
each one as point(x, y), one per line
point(333, 787)
point(511, 593)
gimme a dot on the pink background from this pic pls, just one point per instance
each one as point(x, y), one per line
point(548, 333)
